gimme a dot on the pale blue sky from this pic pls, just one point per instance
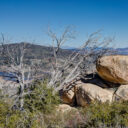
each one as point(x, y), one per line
point(27, 20)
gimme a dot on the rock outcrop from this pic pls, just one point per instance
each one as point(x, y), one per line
point(122, 93)
point(113, 68)
point(110, 84)
point(86, 93)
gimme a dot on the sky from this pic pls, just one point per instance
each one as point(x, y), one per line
point(28, 20)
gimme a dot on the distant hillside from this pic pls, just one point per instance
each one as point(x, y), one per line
point(39, 51)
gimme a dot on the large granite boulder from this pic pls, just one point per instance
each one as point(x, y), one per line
point(86, 93)
point(121, 93)
point(113, 68)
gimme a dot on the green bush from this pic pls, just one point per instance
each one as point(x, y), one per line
point(16, 119)
point(41, 98)
point(39, 102)
point(106, 115)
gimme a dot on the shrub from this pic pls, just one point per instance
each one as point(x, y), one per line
point(106, 115)
point(41, 98)
point(14, 118)
point(39, 102)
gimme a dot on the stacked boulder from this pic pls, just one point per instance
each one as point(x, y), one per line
point(113, 69)
point(111, 83)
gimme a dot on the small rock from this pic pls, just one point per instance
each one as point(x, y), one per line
point(65, 108)
point(122, 93)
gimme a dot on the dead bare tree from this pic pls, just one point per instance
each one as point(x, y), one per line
point(78, 63)
point(14, 64)
point(57, 43)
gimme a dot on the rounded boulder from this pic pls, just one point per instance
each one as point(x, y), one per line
point(113, 68)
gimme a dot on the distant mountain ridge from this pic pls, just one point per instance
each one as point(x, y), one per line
point(122, 51)
point(119, 51)
point(40, 52)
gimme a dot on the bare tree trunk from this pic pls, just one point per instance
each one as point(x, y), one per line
point(14, 58)
point(21, 96)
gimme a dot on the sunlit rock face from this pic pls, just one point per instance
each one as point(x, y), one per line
point(113, 68)
point(86, 93)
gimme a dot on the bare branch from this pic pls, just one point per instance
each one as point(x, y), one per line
point(77, 64)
